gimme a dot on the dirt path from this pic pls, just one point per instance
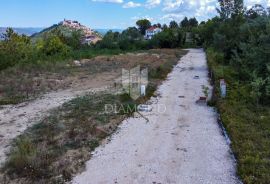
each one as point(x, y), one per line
point(14, 119)
point(183, 144)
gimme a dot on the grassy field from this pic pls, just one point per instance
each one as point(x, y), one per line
point(247, 124)
point(57, 147)
point(26, 81)
point(29, 80)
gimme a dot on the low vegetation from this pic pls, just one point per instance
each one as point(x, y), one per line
point(246, 122)
point(24, 82)
point(52, 150)
point(56, 148)
point(238, 49)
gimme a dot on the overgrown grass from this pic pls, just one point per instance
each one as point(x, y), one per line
point(28, 80)
point(79, 125)
point(90, 53)
point(247, 124)
point(24, 80)
point(57, 147)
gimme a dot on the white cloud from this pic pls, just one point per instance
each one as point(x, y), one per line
point(131, 4)
point(202, 9)
point(250, 3)
point(183, 5)
point(142, 17)
point(173, 16)
point(152, 3)
point(109, 1)
point(171, 6)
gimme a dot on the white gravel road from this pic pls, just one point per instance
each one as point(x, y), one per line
point(182, 145)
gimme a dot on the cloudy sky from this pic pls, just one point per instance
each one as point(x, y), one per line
point(105, 13)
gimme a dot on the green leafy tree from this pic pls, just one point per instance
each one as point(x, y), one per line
point(255, 11)
point(229, 8)
point(267, 82)
point(257, 85)
point(207, 30)
point(75, 40)
point(168, 38)
point(143, 25)
point(184, 23)
point(226, 8)
point(131, 33)
point(164, 26)
point(14, 49)
point(173, 25)
point(192, 22)
point(54, 46)
point(130, 38)
point(238, 7)
point(109, 41)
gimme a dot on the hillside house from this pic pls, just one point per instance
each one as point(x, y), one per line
point(150, 32)
point(89, 39)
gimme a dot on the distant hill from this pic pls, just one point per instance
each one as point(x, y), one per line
point(36, 32)
point(104, 31)
point(23, 30)
point(66, 27)
point(33, 30)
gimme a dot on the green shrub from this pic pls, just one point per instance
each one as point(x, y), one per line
point(245, 123)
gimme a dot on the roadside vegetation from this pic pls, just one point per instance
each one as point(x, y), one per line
point(238, 51)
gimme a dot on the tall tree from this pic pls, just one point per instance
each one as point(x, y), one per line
point(255, 11)
point(238, 7)
point(226, 8)
point(131, 33)
point(193, 22)
point(173, 24)
point(164, 26)
point(229, 8)
point(14, 49)
point(143, 24)
point(184, 23)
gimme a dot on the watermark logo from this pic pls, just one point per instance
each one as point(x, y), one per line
point(135, 81)
point(127, 109)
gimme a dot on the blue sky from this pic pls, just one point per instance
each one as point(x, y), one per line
point(105, 13)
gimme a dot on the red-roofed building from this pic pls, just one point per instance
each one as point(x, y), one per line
point(150, 32)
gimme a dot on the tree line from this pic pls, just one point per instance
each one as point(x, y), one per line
point(241, 39)
point(54, 45)
point(173, 35)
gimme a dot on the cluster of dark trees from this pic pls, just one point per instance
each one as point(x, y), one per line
point(242, 39)
point(21, 49)
point(172, 36)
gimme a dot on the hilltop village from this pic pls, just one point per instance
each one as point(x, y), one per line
point(89, 37)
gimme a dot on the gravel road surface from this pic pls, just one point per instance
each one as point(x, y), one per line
point(182, 143)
